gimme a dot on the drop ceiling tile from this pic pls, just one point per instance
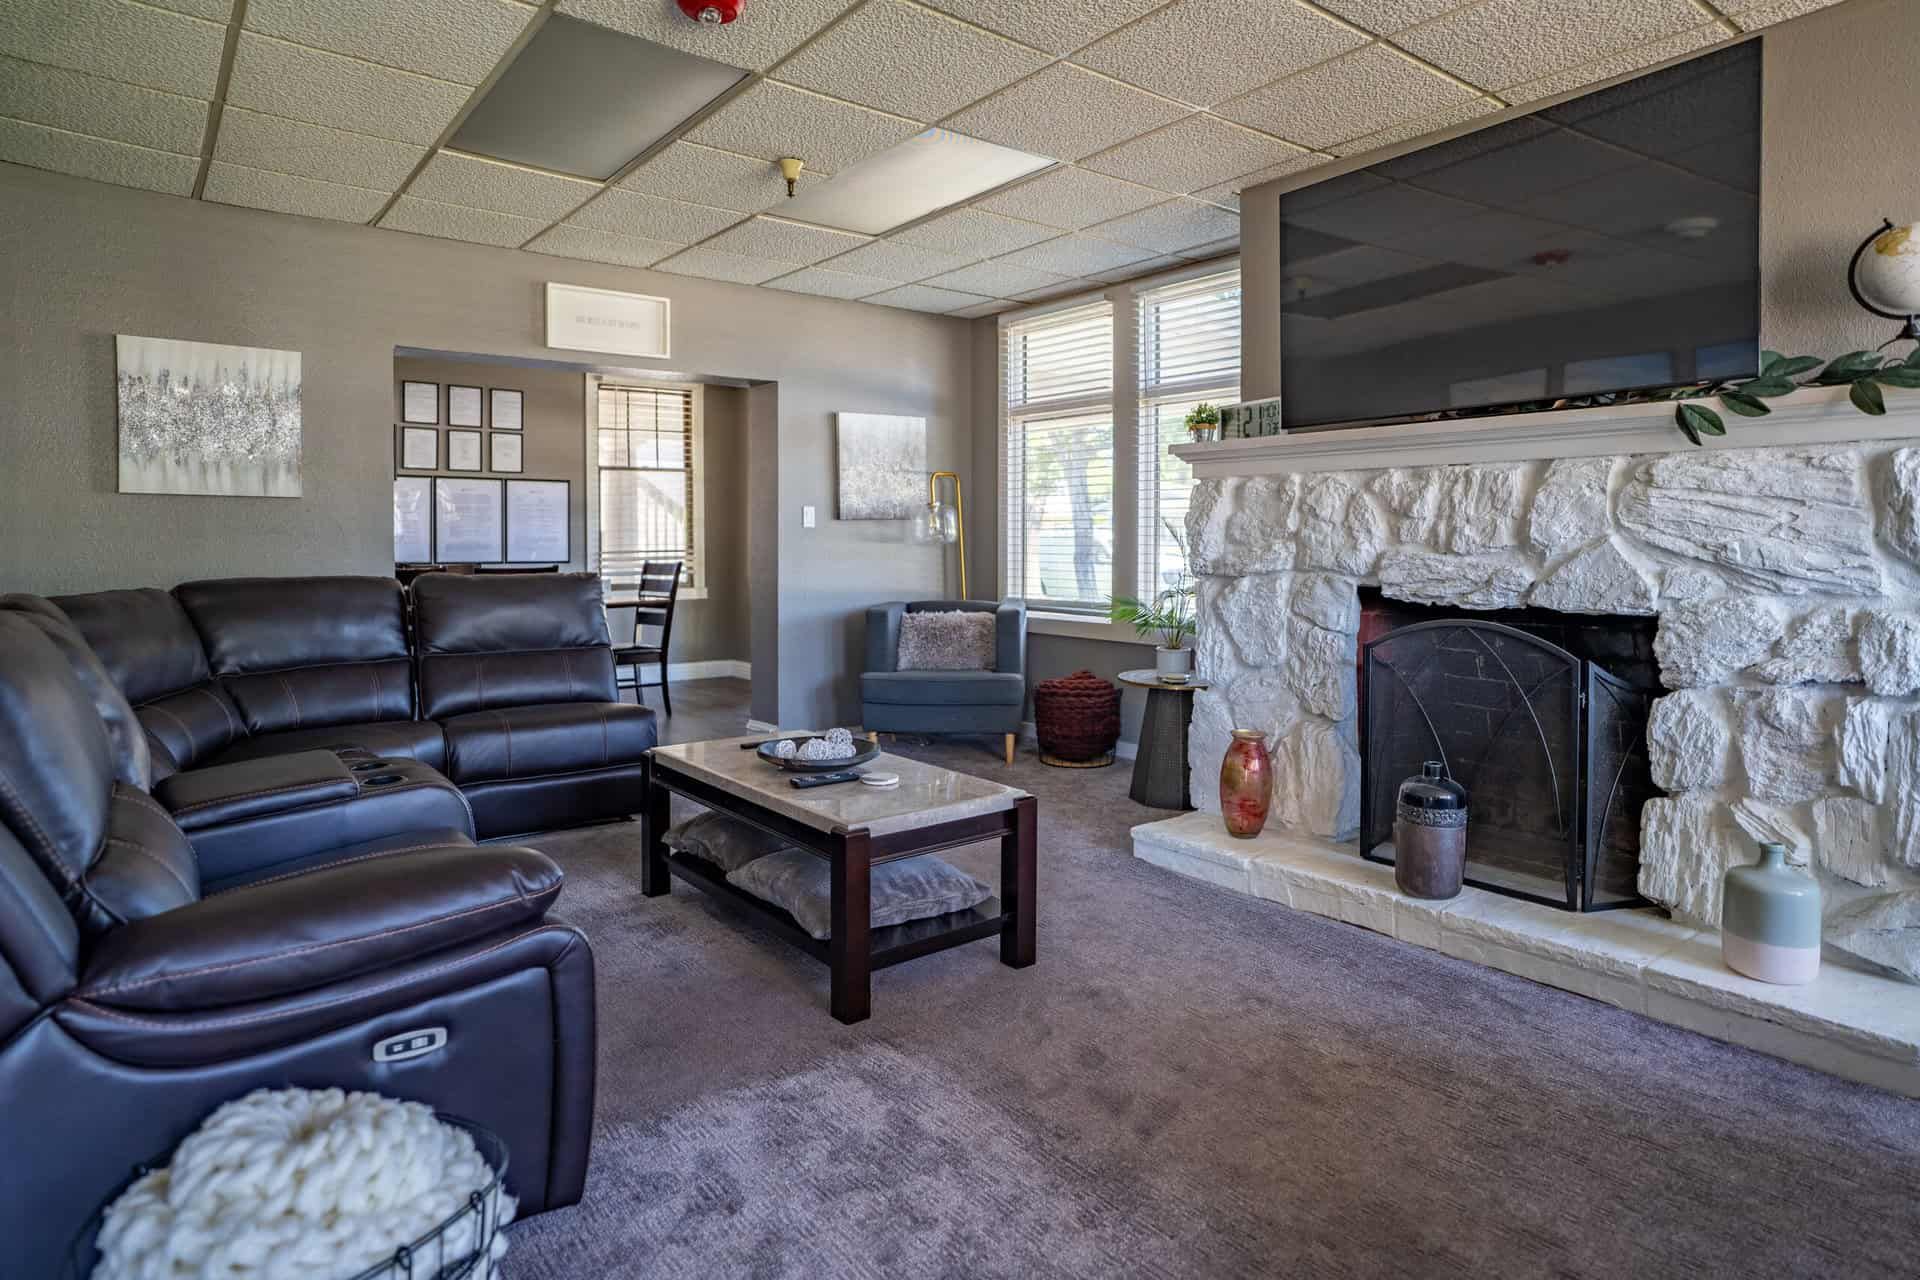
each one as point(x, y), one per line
point(1170, 227)
point(1197, 152)
point(1000, 280)
point(118, 39)
point(685, 171)
point(773, 120)
point(1205, 51)
point(1071, 198)
point(1349, 97)
point(982, 309)
point(457, 222)
point(1134, 270)
point(630, 213)
point(80, 103)
point(974, 233)
point(310, 151)
point(762, 34)
point(459, 40)
point(1072, 287)
point(920, 297)
point(478, 183)
point(1077, 255)
point(124, 165)
point(1065, 112)
point(781, 241)
point(1445, 118)
point(1506, 42)
point(831, 284)
point(1214, 249)
point(894, 261)
point(1755, 14)
point(212, 10)
point(909, 60)
point(1227, 194)
point(1388, 16)
point(569, 240)
point(1058, 26)
point(288, 193)
point(1616, 64)
point(342, 93)
point(711, 264)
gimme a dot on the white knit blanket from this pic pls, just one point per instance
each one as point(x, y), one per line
point(308, 1183)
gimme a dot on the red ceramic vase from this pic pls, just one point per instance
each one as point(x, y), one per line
point(1246, 783)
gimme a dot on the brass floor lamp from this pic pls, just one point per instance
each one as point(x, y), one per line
point(941, 523)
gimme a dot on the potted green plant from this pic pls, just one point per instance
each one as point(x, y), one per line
point(1168, 618)
point(1203, 420)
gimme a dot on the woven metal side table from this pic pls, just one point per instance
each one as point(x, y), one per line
point(1160, 763)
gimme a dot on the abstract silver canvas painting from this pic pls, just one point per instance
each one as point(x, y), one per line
point(883, 466)
point(199, 417)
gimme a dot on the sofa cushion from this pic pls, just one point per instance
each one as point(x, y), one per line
point(143, 638)
point(132, 752)
point(188, 728)
point(408, 739)
point(946, 640)
point(510, 640)
point(726, 842)
point(399, 842)
point(563, 737)
point(801, 883)
point(944, 688)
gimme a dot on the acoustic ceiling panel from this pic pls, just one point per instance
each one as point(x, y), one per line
point(688, 171)
point(458, 40)
point(827, 283)
point(1199, 151)
point(762, 34)
point(1000, 280)
point(1388, 16)
point(1504, 42)
point(1170, 227)
point(920, 297)
point(339, 92)
point(1077, 255)
point(631, 213)
point(570, 240)
point(118, 39)
point(974, 233)
point(895, 261)
point(1433, 122)
point(1058, 26)
point(782, 241)
point(211, 10)
point(479, 183)
point(457, 222)
point(1202, 51)
point(289, 193)
point(312, 151)
point(1755, 14)
point(908, 60)
point(978, 310)
point(772, 120)
point(1065, 112)
point(96, 158)
point(1354, 95)
point(1070, 198)
point(1619, 64)
point(80, 103)
point(713, 264)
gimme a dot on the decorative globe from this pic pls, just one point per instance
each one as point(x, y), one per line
point(1889, 271)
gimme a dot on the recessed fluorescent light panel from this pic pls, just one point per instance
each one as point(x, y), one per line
point(584, 100)
point(910, 181)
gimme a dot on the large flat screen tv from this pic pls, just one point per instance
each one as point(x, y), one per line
point(1607, 244)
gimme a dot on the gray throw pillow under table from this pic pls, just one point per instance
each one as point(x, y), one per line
point(911, 889)
point(727, 843)
point(947, 640)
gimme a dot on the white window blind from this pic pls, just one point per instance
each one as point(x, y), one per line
point(1189, 353)
point(1057, 371)
point(644, 447)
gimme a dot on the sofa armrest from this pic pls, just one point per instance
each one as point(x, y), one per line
point(220, 794)
point(1010, 636)
point(289, 935)
point(883, 635)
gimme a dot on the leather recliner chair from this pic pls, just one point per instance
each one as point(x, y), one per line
point(133, 1001)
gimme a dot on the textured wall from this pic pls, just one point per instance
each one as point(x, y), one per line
point(80, 262)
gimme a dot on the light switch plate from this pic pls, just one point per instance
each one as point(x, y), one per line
point(806, 517)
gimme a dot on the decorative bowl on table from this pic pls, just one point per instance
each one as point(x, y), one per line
point(860, 751)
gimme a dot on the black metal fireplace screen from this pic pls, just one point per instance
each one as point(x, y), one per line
point(1550, 747)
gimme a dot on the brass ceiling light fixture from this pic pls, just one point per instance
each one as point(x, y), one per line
point(790, 167)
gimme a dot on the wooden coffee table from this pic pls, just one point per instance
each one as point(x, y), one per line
point(854, 827)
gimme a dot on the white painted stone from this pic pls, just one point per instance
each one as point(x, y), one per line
point(1686, 846)
point(1320, 669)
point(1786, 741)
point(1784, 521)
point(1900, 496)
point(1493, 581)
point(1903, 784)
point(1482, 507)
point(1702, 642)
point(1889, 647)
point(1247, 527)
point(1599, 579)
point(1412, 498)
point(1848, 841)
point(1328, 602)
point(1262, 701)
point(1253, 611)
point(1570, 509)
point(1208, 734)
point(1689, 584)
point(1214, 656)
point(1331, 536)
point(1767, 823)
point(1860, 746)
point(1317, 781)
point(1883, 930)
point(1687, 741)
point(1818, 648)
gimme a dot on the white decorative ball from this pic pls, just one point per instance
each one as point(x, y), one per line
point(1889, 271)
point(785, 748)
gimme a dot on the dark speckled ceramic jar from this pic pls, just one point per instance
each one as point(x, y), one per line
point(1430, 834)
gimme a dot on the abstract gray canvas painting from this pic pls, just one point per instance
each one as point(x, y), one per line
point(199, 417)
point(883, 466)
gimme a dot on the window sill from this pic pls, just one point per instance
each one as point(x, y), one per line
point(1081, 627)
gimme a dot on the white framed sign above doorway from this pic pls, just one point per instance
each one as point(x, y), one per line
point(628, 324)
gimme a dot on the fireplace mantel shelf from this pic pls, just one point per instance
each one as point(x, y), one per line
point(1818, 415)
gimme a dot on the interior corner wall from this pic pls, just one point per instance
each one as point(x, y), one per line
point(81, 261)
point(1840, 90)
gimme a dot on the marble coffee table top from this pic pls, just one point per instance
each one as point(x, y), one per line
point(927, 794)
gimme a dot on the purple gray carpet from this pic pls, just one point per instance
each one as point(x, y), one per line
point(1189, 1083)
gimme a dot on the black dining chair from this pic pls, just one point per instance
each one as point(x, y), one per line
point(657, 592)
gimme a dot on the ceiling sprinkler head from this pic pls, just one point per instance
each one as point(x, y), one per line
point(1698, 227)
point(711, 12)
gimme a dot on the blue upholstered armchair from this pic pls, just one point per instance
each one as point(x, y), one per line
point(895, 701)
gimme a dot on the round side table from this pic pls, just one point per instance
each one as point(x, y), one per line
point(1160, 762)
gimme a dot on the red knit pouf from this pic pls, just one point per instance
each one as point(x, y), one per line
point(1077, 719)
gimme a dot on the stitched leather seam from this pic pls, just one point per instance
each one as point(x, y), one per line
point(508, 726)
point(155, 858)
point(312, 666)
point(39, 832)
point(177, 721)
point(255, 795)
point(566, 669)
point(516, 653)
point(116, 1015)
point(337, 862)
point(226, 712)
point(519, 899)
point(606, 748)
point(291, 698)
point(124, 792)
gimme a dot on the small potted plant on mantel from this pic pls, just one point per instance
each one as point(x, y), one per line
point(1168, 619)
point(1203, 420)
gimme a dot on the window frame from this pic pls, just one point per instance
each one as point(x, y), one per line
point(695, 586)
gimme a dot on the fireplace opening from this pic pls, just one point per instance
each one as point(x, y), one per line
point(1541, 716)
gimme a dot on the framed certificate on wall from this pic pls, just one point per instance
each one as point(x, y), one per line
point(467, 521)
point(508, 409)
point(506, 452)
point(419, 449)
point(412, 519)
point(420, 402)
point(463, 451)
point(539, 518)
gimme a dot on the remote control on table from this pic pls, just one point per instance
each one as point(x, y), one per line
point(824, 779)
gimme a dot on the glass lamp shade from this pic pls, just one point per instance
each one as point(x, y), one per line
point(946, 521)
point(925, 527)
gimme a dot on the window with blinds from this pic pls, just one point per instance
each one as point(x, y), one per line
point(1189, 353)
point(644, 450)
point(1058, 442)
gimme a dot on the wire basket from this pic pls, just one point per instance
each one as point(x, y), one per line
point(460, 1246)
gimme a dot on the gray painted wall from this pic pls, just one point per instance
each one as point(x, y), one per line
point(81, 261)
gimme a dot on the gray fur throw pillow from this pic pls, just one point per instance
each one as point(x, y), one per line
point(946, 640)
point(727, 843)
point(911, 889)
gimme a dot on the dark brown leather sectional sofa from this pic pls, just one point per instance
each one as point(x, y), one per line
point(238, 830)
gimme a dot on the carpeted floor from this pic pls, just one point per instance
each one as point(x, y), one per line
point(1189, 1083)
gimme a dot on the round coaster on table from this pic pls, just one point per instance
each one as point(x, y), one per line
point(881, 780)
